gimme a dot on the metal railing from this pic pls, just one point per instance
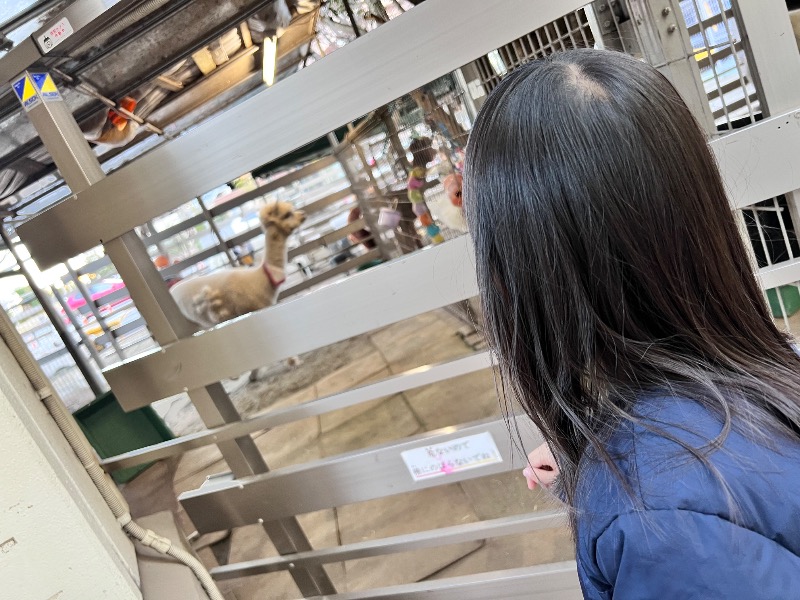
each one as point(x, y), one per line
point(419, 282)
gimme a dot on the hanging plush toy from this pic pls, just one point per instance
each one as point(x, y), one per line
point(423, 154)
point(452, 187)
point(449, 211)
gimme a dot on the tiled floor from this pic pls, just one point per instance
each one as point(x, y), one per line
point(425, 339)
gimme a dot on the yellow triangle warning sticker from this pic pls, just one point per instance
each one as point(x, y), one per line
point(46, 86)
point(28, 90)
point(25, 91)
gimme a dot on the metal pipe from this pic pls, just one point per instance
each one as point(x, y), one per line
point(88, 458)
point(95, 311)
point(93, 380)
point(84, 338)
point(351, 17)
point(215, 230)
point(88, 90)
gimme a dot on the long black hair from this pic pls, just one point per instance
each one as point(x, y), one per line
point(609, 260)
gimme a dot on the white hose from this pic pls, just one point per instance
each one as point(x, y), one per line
point(86, 454)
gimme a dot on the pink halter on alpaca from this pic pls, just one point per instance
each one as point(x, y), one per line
point(275, 284)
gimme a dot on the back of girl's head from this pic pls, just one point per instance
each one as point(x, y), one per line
point(608, 258)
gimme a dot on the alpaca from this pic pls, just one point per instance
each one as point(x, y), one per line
point(209, 300)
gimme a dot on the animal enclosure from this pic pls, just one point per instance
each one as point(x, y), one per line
point(384, 245)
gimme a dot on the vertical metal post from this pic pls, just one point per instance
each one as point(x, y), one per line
point(77, 325)
point(95, 382)
point(363, 202)
point(666, 44)
point(150, 229)
point(87, 294)
point(771, 50)
point(348, 9)
point(410, 240)
point(80, 169)
point(215, 230)
point(394, 140)
point(466, 95)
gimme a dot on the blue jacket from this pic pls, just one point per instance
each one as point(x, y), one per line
point(680, 536)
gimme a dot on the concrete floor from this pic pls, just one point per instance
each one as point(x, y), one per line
point(429, 338)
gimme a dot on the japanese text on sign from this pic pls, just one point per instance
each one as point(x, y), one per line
point(55, 34)
point(450, 457)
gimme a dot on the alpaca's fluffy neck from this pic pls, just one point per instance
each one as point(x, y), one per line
point(275, 255)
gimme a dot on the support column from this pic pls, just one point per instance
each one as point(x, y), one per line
point(665, 43)
point(772, 54)
point(367, 210)
point(80, 169)
point(771, 50)
point(410, 242)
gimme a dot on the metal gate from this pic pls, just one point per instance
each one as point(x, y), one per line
point(738, 67)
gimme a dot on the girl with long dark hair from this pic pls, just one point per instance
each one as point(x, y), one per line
point(621, 305)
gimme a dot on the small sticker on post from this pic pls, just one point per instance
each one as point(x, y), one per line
point(462, 454)
point(55, 34)
point(25, 92)
point(46, 87)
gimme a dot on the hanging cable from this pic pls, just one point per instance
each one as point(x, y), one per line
point(88, 458)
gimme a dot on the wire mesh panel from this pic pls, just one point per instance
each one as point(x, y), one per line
point(29, 316)
point(571, 31)
point(771, 229)
point(222, 229)
point(719, 50)
point(425, 133)
point(95, 300)
point(412, 145)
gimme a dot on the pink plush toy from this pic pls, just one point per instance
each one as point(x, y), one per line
point(452, 187)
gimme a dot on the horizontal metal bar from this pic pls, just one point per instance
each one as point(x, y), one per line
point(396, 384)
point(327, 239)
point(256, 231)
point(375, 298)
point(93, 266)
point(244, 237)
point(760, 161)
point(160, 236)
point(726, 88)
point(481, 530)
point(28, 14)
point(57, 354)
point(27, 52)
point(717, 19)
point(186, 263)
point(784, 273)
point(273, 185)
point(358, 476)
point(349, 265)
point(734, 106)
point(120, 331)
point(325, 202)
point(554, 581)
point(718, 54)
point(119, 294)
point(288, 115)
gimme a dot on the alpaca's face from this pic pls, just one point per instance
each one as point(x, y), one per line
point(281, 215)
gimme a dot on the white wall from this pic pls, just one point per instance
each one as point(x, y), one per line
point(58, 540)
